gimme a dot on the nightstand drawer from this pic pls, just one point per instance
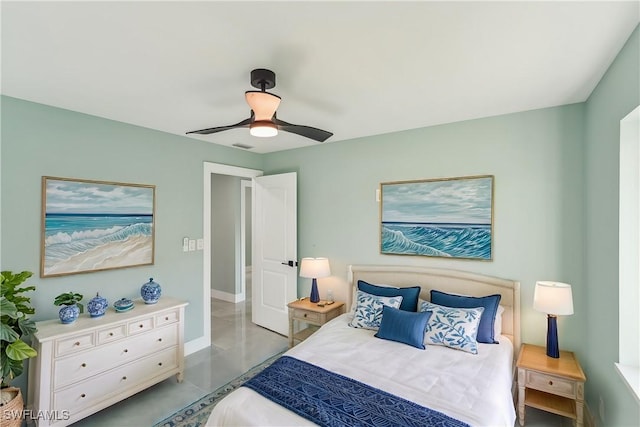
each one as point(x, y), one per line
point(551, 384)
point(307, 315)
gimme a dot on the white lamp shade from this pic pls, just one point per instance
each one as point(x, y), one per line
point(314, 268)
point(553, 298)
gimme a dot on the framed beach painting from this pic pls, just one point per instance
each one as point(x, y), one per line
point(95, 225)
point(450, 217)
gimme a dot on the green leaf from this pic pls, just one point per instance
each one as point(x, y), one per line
point(27, 327)
point(7, 308)
point(19, 350)
point(7, 333)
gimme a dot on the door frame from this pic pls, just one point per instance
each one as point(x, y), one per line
point(208, 170)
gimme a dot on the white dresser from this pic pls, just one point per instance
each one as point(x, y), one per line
point(93, 363)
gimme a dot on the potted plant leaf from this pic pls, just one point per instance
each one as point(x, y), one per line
point(15, 327)
point(71, 306)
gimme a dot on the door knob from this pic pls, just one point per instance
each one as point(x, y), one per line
point(290, 263)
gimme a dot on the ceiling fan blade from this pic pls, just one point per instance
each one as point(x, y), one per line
point(243, 124)
point(306, 131)
point(263, 104)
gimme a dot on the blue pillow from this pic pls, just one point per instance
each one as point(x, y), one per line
point(403, 326)
point(490, 304)
point(409, 295)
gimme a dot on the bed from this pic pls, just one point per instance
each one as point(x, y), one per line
point(458, 387)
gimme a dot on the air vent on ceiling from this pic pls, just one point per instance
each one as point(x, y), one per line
point(245, 146)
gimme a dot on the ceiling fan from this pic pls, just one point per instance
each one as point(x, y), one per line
point(263, 121)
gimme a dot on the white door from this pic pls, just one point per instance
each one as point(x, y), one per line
point(275, 271)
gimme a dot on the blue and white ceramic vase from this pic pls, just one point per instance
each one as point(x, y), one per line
point(69, 313)
point(97, 306)
point(151, 292)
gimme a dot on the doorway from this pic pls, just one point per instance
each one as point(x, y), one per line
point(211, 169)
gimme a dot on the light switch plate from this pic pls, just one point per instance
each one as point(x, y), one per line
point(200, 244)
point(192, 245)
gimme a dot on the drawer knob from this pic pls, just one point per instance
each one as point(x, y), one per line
point(83, 395)
point(141, 325)
point(126, 350)
point(160, 364)
point(159, 339)
point(110, 334)
point(166, 318)
point(550, 382)
point(124, 378)
point(77, 343)
point(305, 315)
point(84, 365)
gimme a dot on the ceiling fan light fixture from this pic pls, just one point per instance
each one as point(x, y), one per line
point(263, 129)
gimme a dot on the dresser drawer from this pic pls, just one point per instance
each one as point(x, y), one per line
point(87, 393)
point(74, 368)
point(112, 333)
point(551, 384)
point(166, 318)
point(307, 315)
point(139, 326)
point(75, 343)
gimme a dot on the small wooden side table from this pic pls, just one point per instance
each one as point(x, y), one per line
point(553, 385)
point(310, 313)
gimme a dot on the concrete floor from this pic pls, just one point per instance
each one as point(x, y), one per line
point(237, 346)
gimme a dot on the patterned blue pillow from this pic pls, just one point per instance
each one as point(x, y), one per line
point(452, 327)
point(490, 304)
point(368, 313)
point(403, 326)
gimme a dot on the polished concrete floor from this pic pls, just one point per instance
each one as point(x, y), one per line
point(237, 346)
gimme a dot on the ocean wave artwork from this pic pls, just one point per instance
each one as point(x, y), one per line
point(450, 218)
point(93, 225)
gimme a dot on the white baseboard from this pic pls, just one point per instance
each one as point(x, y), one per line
point(198, 344)
point(227, 296)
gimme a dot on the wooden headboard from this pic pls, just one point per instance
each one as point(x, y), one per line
point(451, 281)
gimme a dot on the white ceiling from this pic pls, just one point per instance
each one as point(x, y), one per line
point(353, 68)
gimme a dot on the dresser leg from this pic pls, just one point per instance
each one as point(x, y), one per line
point(180, 376)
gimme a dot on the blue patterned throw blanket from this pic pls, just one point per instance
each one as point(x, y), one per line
point(330, 399)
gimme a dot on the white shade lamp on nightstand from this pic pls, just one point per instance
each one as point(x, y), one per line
point(555, 299)
point(314, 268)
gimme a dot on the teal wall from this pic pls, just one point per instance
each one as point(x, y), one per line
point(536, 158)
point(38, 140)
point(617, 94)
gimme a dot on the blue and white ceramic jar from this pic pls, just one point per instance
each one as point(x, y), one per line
point(69, 313)
point(151, 292)
point(97, 306)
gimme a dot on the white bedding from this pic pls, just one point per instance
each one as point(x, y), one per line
point(475, 389)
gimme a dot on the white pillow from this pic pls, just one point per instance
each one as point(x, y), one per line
point(497, 325)
point(368, 314)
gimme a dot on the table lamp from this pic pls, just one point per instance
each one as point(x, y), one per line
point(314, 268)
point(555, 299)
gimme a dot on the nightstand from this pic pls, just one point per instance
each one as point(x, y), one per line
point(312, 314)
point(553, 385)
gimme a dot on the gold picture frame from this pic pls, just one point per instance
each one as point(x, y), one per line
point(444, 217)
point(90, 226)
